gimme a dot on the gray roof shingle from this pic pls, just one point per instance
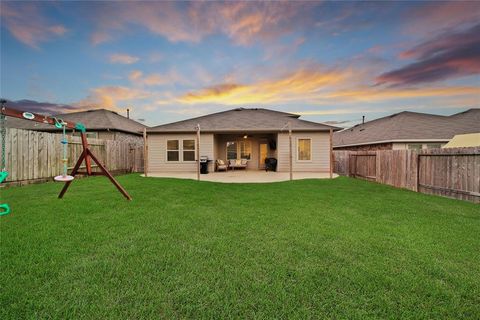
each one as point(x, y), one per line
point(405, 126)
point(97, 119)
point(243, 120)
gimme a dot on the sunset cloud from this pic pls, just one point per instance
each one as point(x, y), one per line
point(447, 56)
point(297, 85)
point(432, 17)
point(155, 79)
point(28, 25)
point(135, 75)
point(123, 58)
point(315, 86)
point(242, 22)
point(372, 94)
point(110, 96)
point(47, 108)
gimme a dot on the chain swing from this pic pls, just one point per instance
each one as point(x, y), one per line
point(4, 208)
point(63, 177)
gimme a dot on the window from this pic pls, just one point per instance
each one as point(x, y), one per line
point(173, 150)
point(231, 150)
point(434, 146)
point(245, 150)
point(304, 149)
point(415, 146)
point(188, 150)
point(90, 135)
point(237, 150)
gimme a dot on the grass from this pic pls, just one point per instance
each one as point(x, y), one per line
point(339, 248)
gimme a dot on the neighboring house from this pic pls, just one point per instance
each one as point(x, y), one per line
point(249, 134)
point(100, 124)
point(407, 130)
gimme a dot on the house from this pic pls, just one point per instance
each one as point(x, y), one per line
point(243, 133)
point(100, 123)
point(407, 130)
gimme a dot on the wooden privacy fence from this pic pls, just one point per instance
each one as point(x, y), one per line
point(452, 173)
point(34, 156)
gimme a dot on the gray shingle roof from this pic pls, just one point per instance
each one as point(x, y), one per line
point(243, 120)
point(405, 126)
point(97, 119)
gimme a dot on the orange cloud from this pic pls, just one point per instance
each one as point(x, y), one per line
point(123, 58)
point(376, 94)
point(314, 86)
point(27, 24)
point(135, 75)
point(295, 86)
point(155, 79)
point(109, 97)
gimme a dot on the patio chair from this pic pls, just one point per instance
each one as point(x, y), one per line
point(221, 165)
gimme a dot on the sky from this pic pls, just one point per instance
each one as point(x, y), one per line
point(331, 62)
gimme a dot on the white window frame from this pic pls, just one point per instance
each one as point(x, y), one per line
point(311, 147)
point(194, 151)
point(167, 150)
point(180, 151)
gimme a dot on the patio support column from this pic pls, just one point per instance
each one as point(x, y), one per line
point(145, 153)
point(198, 151)
point(331, 154)
point(290, 147)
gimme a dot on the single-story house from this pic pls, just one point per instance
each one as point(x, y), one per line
point(100, 123)
point(407, 130)
point(248, 134)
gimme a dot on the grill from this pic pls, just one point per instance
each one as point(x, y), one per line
point(270, 164)
point(204, 164)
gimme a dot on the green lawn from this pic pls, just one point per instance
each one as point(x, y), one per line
point(339, 248)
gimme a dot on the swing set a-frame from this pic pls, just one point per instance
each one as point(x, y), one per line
point(87, 155)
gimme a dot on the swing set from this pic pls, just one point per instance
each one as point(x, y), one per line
point(87, 154)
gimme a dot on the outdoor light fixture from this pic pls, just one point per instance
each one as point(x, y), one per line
point(245, 137)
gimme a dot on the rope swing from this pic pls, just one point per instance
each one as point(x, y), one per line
point(64, 177)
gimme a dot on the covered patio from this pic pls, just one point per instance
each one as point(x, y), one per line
point(245, 176)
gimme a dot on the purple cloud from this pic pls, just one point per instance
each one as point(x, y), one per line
point(447, 56)
point(46, 108)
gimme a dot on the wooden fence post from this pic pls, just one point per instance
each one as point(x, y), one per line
point(331, 154)
point(198, 151)
point(145, 153)
point(290, 150)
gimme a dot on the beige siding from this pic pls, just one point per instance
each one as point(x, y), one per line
point(157, 152)
point(320, 152)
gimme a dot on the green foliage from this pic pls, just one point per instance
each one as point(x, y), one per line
point(339, 248)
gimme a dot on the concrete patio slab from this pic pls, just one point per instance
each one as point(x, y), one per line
point(242, 176)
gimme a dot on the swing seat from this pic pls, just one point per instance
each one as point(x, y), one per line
point(63, 178)
point(4, 209)
point(3, 175)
